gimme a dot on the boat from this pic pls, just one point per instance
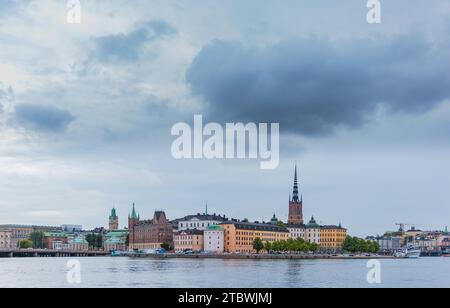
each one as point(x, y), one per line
point(409, 252)
point(413, 253)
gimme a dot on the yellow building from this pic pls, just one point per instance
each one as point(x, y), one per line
point(332, 237)
point(239, 236)
point(189, 240)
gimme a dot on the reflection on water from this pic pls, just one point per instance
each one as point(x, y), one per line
point(199, 273)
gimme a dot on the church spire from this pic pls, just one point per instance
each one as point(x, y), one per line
point(133, 213)
point(295, 197)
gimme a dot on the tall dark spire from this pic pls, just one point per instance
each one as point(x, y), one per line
point(295, 197)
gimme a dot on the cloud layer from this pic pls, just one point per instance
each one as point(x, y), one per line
point(128, 47)
point(43, 118)
point(311, 86)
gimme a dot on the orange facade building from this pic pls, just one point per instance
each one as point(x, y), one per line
point(239, 236)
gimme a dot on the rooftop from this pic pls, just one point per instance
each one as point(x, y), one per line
point(190, 232)
point(255, 226)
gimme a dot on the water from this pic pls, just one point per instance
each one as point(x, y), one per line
point(184, 273)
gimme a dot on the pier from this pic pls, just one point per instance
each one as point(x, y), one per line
point(47, 253)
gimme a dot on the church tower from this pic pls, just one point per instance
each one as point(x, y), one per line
point(113, 221)
point(295, 205)
point(133, 219)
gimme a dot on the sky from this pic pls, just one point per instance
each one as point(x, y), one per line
point(86, 110)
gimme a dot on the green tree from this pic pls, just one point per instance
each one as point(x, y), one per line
point(38, 240)
point(313, 247)
point(258, 244)
point(26, 244)
point(167, 246)
point(268, 247)
point(95, 240)
point(281, 224)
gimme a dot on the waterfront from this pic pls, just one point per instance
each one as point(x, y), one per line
point(207, 273)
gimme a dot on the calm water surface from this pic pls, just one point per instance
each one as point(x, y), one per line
point(124, 272)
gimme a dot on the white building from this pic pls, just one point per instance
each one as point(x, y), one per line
point(200, 222)
point(312, 232)
point(214, 237)
point(297, 231)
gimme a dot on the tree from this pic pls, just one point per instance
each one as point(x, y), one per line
point(258, 244)
point(37, 238)
point(268, 247)
point(313, 247)
point(26, 244)
point(127, 240)
point(280, 224)
point(167, 246)
point(95, 240)
point(358, 245)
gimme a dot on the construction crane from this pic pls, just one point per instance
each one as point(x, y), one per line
point(402, 226)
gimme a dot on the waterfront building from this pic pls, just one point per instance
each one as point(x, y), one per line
point(133, 219)
point(214, 239)
point(116, 240)
point(189, 240)
point(239, 236)
point(5, 238)
point(199, 221)
point(18, 233)
point(113, 220)
point(149, 234)
point(297, 231)
point(56, 240)
point(312, 233)
point(389, 243)
point(332, 237)
point(295, 204)
point(78, 243)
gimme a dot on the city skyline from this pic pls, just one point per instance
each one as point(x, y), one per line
point(86, 110)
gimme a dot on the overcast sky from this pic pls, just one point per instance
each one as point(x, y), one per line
point(86, 109)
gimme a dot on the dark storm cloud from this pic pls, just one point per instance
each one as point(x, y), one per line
point(127, 47)
point(43, 118)
point(312, 86)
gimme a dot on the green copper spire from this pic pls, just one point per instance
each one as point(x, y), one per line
point(113, 214)
point(133, 213)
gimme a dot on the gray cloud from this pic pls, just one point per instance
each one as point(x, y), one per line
point(311, 86)
point(127, 47)
point(43, 118)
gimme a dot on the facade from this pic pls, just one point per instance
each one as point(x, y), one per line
point(18, 233)
point(200, 221)
point(312, 232)
point(390, 243)
point(113, 220)
point(295, 205)
point(239, 236)
point(78, 244)
point(332, 237)
point(214, 239)
point(189, 240)
point(297, 231)
point(5, 238)
point(149, 234)
point(115, 240)
point(56, 240)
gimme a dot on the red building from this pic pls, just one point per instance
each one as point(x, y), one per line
point(149, 234)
